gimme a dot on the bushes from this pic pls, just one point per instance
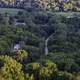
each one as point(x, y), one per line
point(11, 70)
point(47, 70)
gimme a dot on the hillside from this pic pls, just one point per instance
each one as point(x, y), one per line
point(39, 45)
point(39, 40)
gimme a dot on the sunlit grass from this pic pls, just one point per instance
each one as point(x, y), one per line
point(11, 11)
point(67, 13)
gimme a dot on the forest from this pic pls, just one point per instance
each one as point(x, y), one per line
point(39, 46)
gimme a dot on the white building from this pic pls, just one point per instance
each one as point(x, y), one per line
point(16, 47)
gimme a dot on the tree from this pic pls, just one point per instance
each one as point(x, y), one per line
point(65, 76)
point(48, 69)
point(20, 55)
point(11, 70)
point(33, 68)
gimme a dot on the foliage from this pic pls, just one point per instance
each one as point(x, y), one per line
point(29, 62)
point(20, 55)
point(11, 69)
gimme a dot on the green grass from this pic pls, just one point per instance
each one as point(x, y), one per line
point(10, 10)
point(65, 14)
point(13, 11)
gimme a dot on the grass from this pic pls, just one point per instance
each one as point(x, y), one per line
point(11, 11)
point(65, 14)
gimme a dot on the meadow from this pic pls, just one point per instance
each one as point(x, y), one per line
point(11, 11)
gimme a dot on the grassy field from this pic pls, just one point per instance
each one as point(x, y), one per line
point(13, 11)
point(10, 10)
point(67, 13)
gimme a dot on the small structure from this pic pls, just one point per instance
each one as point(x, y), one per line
point(72, 16)
point(16, 47)
point(19, 22)
point(69, 17)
